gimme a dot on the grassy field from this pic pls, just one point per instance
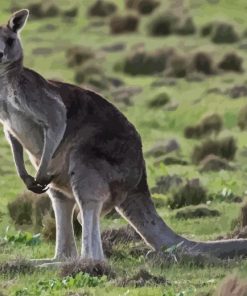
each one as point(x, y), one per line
point(45, 43)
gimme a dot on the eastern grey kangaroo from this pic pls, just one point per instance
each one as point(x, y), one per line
point(86, 151)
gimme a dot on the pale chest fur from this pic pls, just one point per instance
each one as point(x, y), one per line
point(19, 122)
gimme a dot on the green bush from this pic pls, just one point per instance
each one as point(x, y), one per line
point(192, 193)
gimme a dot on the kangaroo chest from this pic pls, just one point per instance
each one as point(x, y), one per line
point(19, 123)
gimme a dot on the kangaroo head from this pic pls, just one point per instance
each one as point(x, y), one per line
point(10, 45)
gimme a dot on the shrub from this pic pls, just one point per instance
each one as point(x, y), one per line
point(142, 6)
point(203, 63)
point(209, 124)
point(192, 193)
point(163, 24)
point(186, 27)
point(77, 55)
point(200, 211)
point(177, 66)
point(146, 63)
point(242, 118)
point(224, 33)
point(225, 148)
point(102, 8)
point(21, 209)
point(124, 23)
point(159, 100)
point(231, 62)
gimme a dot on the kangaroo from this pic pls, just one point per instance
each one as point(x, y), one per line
point(85, 152)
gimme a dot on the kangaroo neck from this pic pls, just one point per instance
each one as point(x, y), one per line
point(9, 73)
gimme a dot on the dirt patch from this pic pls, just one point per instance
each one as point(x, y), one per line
point(141, 279)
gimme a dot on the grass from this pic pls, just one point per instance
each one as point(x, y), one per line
point(194, 102)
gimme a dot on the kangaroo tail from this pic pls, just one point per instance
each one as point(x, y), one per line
point(138, 209)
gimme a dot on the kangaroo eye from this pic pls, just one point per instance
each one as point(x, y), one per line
point(10, 41)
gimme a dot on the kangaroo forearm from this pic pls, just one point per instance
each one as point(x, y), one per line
point(52, 139)
point(17, 152)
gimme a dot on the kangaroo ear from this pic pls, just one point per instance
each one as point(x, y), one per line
point(18, 20)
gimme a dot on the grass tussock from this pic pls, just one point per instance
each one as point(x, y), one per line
point(142, 6)
point(141, 62)
point(210, 124)
point(193, 212)
point(102, 9)
point(191, 193)
point(78, 55)
point(213, 163)
point(225, 148)
point(159, 101)
point(242, 118)
point(202, 62)
point(224, 33)
point(93, 268)
point(43, 9)
point(231, 62)
point(16, 267)
point(165, 23)
point(127, 23)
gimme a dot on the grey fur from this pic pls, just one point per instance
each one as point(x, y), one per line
point(87, 152)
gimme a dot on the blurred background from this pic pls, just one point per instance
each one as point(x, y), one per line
point(177, 70)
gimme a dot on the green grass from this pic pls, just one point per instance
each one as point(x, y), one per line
point(194, 102)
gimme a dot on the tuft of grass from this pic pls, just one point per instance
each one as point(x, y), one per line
point(225, 147)
point(127, 23)
point(102, 9)
point(231, 62)
point(192, 193)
